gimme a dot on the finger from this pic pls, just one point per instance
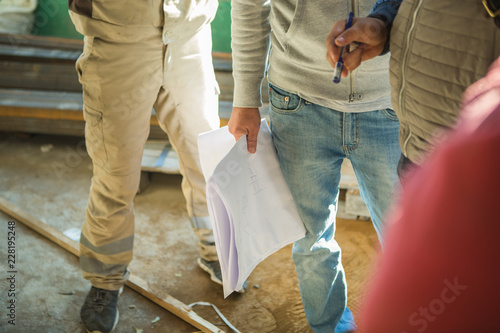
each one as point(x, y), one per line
point(349, 36)
point(332, 51)
point(352, 60)
point(345, 71)
point(245, 121)
point(331, 57)
point(252, 143)
point(234, 130)
point(337, 29)
point(372, 52)
point(253, 132)
point(237, 135)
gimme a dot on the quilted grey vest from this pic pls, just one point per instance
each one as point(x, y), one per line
point(438, 48)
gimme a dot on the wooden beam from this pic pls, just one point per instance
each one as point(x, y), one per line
point(166, 301)
point(40, 113)
point(41, 41)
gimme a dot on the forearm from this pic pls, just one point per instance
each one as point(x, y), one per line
point(250, 31)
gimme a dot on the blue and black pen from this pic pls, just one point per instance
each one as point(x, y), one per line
point(340, 64)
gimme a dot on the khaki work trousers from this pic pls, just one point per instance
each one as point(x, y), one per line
point(122, 82)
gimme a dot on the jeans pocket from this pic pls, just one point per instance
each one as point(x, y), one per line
point(390, 114)
point(284, 102)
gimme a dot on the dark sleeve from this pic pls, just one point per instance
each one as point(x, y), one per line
point(386, 10)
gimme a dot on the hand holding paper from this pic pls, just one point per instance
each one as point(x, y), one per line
point(249, 202)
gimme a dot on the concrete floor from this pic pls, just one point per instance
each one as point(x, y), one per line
point(49, 177)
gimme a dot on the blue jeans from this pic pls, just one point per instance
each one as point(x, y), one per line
point(311, 143)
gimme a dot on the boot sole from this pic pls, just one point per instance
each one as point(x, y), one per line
point(114, 325)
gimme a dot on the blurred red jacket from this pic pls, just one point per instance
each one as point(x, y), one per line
point(441, 262)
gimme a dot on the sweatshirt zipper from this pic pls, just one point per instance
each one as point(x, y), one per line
point(352, 97)
point(403, 65)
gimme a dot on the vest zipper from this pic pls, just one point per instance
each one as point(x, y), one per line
point(403, 64)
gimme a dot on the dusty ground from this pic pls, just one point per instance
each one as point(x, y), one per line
point(49, 177)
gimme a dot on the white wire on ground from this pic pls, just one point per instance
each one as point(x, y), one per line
point(218, 312)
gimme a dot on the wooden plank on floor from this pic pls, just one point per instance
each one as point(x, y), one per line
point(166, 301)
point(40, 227)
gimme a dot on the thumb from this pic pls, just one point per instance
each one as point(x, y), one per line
point(252, 142)
point(347, 37)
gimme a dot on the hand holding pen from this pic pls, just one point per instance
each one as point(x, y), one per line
point(339, 66)
point(369, 35)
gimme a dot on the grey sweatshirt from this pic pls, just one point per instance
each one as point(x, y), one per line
point(294, 32)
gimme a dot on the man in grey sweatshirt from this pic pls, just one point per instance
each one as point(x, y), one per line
point(315, 124)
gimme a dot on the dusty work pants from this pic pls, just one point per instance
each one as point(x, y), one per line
point(122, 82)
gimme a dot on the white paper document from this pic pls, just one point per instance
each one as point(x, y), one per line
point(250, 205)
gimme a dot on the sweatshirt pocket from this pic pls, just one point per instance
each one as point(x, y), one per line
point(296, 21)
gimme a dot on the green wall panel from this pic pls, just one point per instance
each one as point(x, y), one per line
point(52, 19)
point(221, 27)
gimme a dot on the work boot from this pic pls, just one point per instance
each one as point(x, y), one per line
point(99, 313)
point(213, 268)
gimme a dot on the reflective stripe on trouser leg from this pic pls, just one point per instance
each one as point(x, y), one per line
point(107, 236)
point(119, 92)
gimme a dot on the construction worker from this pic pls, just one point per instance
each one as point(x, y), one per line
point(140, 55)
